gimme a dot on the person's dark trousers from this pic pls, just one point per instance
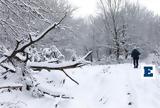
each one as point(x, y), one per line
point(135, 62)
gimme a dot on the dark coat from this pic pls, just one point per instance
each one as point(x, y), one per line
point(135, 54)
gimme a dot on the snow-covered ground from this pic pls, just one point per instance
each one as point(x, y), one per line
point(107, 86)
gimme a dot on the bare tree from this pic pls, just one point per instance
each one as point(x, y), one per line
point(111, 17)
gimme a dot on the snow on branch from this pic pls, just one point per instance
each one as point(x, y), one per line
point(89, 53)
point(50, 93)
point(21, 47)
point(66, 65)
point(62, 66)
point(53, 66)
point(41, 35)
point(8, 67)
point(11, 86)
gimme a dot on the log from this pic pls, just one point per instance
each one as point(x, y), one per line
point(62, 66)
point(12, 87)
point(52, 66)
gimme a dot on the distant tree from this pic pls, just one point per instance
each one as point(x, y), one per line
point(112, 20)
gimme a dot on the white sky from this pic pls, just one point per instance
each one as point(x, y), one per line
point(85, 7)
point(88, 7)
point(153, 5)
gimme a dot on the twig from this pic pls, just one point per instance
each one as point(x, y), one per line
point(70, 77)
point(56, 96)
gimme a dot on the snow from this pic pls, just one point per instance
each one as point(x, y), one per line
point(10, 84)
point(21, 57)
point(101, 86)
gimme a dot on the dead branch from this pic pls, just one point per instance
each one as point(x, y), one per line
point(70, 77)
point(18, 43)
point(55, 96)
point(12, 87)
point(52, 66)
point(88, 54)
point(30, 38)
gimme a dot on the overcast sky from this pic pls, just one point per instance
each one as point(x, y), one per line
point(88, 7)
point(153, 5)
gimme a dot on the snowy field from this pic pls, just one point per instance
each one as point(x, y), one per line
point(110, 86)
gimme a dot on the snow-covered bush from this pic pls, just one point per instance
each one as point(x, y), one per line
point(51, 54)
point(154, 57)
point(157, 56)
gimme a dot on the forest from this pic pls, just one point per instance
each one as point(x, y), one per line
point(47, 53)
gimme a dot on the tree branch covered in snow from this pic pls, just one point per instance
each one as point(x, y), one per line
point(62, 66)
point(54, 95)
point(32, 41)
point(20, 49)
point(12, 87)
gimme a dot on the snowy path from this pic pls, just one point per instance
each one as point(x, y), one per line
point(115, 86)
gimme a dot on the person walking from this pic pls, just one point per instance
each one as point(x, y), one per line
point(135, 55)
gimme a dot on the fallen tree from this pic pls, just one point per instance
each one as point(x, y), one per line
point(37, 66)
point(61, 66)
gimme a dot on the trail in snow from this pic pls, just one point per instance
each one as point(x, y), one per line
point(115, 86)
